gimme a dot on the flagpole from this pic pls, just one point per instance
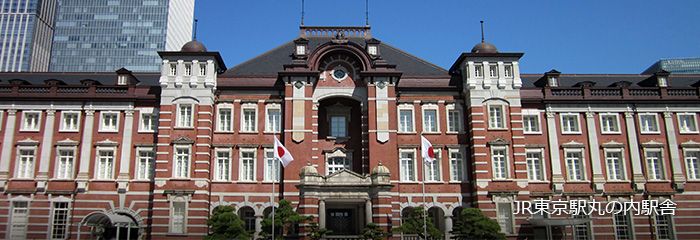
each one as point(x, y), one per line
point(425, 209)
point(272, 197)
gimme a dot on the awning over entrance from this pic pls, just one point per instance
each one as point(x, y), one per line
point(107, 219)
point(558, 221)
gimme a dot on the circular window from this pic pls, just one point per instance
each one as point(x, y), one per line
point(339, 74)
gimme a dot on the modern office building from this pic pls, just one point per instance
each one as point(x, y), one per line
point(676, 66)
point(151, 155)
point(106, 35)
point(26, 33)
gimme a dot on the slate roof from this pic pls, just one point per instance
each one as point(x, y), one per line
point(271, 62)
point(105, 78)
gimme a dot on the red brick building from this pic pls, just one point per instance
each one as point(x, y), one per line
point(151, 155)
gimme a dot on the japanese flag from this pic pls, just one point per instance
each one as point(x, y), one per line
point(282, 154)
point(427, 149)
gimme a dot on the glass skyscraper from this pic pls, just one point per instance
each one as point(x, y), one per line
point(106, 35)
point(26, 31)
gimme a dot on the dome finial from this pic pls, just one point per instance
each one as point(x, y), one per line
point(482, 30)
point(195, 30)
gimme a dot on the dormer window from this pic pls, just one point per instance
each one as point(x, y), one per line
point(122, 80)
point(663, 81)
point(301, 49)
point(553, 81)
point(372, 50)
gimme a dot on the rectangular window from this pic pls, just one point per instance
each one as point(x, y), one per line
point(173, 69)
point(664, 226)
point(182, 162)
point(508, 70)
point(109, 122)
point(338, 126)
point(505, 216)
point(64, 163)
point(609, 123)
point(223, 166)
point(202, 69)
point(493, 70)
point(178, 219)
point(25, 162)
point(478, 70)
point(405, 120)
point(406, 160)
point(184, 115)
point(146, 165)
point(432, 171)
point(19, 220)
point(273, 123)
point(654, 161)
point(531, 124)
point(496, 119)
point(59, 226)
point(121, 79)
point(499, 159)
point(149, 122)
point(454, 120)
point(692, 163)
point(535, 166)
point(272, 166)
point(225, 122)
point(648, 123)
point(623, 223)
point(70, 121)
point(188, 69)
point(430, 122)
point(613, 159)
point(31, 121)
point(105, 164)
point(301, 50)
point(247, 161)
point(687, 123)
point(249, 120)
point(570, 123)
point(574, 164)
point(457, 165)
point(582, 231)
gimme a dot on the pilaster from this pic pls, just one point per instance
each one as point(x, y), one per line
point(636, 160)
point(8, 141)
point(554, 157)
point(598, 178)
point(86, 150)
point(43, 176)
point(676, 164)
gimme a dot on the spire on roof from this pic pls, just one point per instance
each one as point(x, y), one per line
point(482, 30)
point(195, 29)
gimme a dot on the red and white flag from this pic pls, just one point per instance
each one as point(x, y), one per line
point(282, 154)
point(427, 149)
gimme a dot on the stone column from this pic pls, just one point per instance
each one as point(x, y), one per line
point(598, 178)
point(554, 158)
point(638, 178)
point(448, 224)
point(125, 160)
point(7, 143)
point(321, 213)
point(676, 165)
point(258, 223)
point(368, 211)
point(86, 150)
point(46, 145)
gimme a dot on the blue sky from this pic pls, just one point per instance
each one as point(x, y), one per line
point(606, 37)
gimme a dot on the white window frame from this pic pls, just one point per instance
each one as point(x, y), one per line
point(455, 169)
point(104, 127)
point(531, 114)
point(433, 170)
point(270, 125)
point(570, 130)
point(25, 169)
point(65, 126)
point(187, 160)
point(66, 221)
point(68, 170)
point(532, 166)
point(221, 126)
point(690, 127)
point(581, 165)
point(222, 164)
point(188, 69)
point(496, 122)
point(605, 127)
point(692, 170)
point(478, 70)
point(254, 124)
point(436, 121)
point(622, 168)
point(172, 70)
point(493, 70)
point(628, 227)
point(19, 219)
point(372, 50)
point(411, 175)
point(145, 171)
point(202, 69)
point(174, 218)
point(121, 79)
point(508, 70)
point(456, 124)
point(504, 214)
point(107, 174)
point(185, 123)
point(270, 160)
point(242, 176)
point(669, 225)
point(411, 128)
point(26, 126)
point(495, 168)
point(645, 129)
point(151, 114)
point(661, 176)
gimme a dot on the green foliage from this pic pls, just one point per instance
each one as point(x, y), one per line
point(285, 219)
point(225, 224)
point(317, 233)
point(476, 226)
point(413, 224)
point(374, 232)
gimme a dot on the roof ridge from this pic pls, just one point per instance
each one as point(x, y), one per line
point(415, 57)
point(259, 56)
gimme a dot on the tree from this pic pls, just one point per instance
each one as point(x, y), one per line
point(285, 219)
point(413, 224)
point(374, 232)
point(225, 224)
point(476, 226)
point(317, 233)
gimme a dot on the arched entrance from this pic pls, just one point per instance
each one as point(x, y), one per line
point(105, 225)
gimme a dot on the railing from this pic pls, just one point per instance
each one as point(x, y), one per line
point(72, 90)
point(644, 92)
point(28, 89)
point(624, 93)
point(606, 92)
point(332, 31)
point(64, 91)
point(567, 92)
point(111, 90)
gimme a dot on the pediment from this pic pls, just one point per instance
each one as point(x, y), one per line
point(182, 140)
point(28, 142)
point(346, 177)
point(107, 143)
point(67, 142)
